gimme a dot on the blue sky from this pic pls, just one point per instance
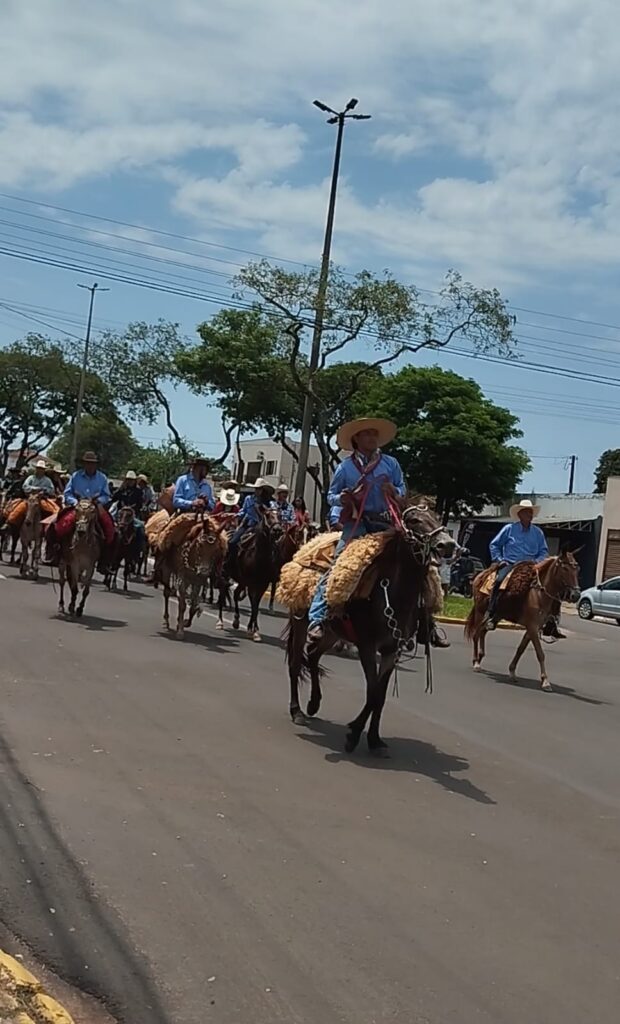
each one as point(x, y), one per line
point(493, 149)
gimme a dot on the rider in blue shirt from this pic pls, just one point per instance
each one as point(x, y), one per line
point(284, 508)
point(252, 511)
point(193, 492)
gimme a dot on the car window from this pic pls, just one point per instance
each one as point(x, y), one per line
point(612, 584)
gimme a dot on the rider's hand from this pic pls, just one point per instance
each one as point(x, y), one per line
point(389, 490)
point(198, 504)
point(346, 499)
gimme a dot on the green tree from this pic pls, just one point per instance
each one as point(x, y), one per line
point(452, 441)
point(139, 364)
point(161, 464)
point(388, 316)
point(38, 391)
point(109, 437)
point(608, 465)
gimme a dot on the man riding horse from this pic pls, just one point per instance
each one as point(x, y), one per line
point(192, 491)
point(366, 487)
point(37, 483)
point(86, 484)
point(252, 511)
point(519, 541)
point(284, 508)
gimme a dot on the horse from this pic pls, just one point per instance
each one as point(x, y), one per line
point(31, 533)
point(290, 541)
point(252, 569)
point(128, 547)
point(187, 566)
point(383, 624)
point(551, 580)
point(79, 553)
point(9, 532)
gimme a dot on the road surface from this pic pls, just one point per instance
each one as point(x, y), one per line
point(171, 843)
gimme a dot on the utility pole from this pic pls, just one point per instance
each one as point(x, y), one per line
point(571, 480)
point(82, 385)
point(315, 350)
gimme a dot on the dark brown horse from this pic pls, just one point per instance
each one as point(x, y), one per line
point(550, 581)
point(382, 625)
point(252, 568)
point(127, 550)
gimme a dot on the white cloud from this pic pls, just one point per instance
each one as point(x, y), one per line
point(504, 115)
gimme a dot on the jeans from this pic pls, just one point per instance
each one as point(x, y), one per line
point(501, 575)
point(319, 609)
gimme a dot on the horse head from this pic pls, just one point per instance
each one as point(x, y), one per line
point(33, 509)
point(125, 521)
point(205, 545)
point(424, 530)
point(566, 575)
point(85, 517)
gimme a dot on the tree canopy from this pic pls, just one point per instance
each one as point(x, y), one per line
point(109, 438)
point(452, 442)
point(608, 465)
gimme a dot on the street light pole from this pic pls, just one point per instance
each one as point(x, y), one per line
point(315, 350)
point(82, 384)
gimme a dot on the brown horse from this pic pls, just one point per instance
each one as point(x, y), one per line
point(383, 624)
point(79, 553)
point(252, 568)
point(555, 578)
point(31, 534)
point(290, 541)
point(187, 566)
point(127, 549)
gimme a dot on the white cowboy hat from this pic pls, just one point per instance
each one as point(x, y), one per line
point(385, 429)
point(40, 464)
point(228, 496)
point(130, 475)
point(282, 487)
point(258, 484)
point(520, 506)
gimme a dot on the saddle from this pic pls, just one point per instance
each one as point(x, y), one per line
point(521, 578)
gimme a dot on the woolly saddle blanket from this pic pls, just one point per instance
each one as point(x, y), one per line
point(519, 580)
point(352, 576)
point(165, 532)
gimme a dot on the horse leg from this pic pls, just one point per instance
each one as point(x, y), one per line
point(272, 596)
point(73, 587)
point(222, 596)
point(85, 591)
point(194, 603)
point(255, 595)
point(61, 580)
point(14, 539)
point(236, 614)
point(376, 745)
point(36, 555)
point(512, 668)
point(540, 654)
point(316, 695)
point(23, 558)
point(166, 605)
point(295, 644)
point(368, 658)
point(181, 604)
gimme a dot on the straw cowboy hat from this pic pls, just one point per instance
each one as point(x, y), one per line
point(40, 464)
point(260, 483)
point(385, 429)
point(199, 460)
point(520, 506)
point(130, 475)
point(282, 489)
point(228, 496)
point(89, 457)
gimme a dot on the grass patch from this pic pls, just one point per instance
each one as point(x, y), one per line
point(456, 607)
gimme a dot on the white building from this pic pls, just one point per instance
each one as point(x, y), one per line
point(269, 459)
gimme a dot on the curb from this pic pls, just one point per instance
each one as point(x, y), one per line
point(22, 998)
point(462, 622)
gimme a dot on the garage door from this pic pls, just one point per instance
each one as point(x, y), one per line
point(612, 555)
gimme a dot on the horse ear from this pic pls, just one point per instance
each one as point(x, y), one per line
point(576, 551)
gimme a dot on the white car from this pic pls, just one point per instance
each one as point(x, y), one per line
point(602, 600)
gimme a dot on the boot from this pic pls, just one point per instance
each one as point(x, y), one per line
point(551, 629)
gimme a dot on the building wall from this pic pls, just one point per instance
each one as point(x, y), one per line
point(609, 548)
point(266, 458)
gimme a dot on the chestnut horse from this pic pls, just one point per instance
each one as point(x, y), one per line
point(552, 580)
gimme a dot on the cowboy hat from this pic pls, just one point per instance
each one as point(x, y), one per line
point(385, 429)
point(521, 505)
point(40, 464)
point(228, 496)
point(260, 483)
point(130, 475)
point(195, 459)
point(143, 476)
point(89, 457)
point(282, 487)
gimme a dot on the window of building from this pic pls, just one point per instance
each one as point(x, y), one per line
point(253, 472)
point(271, 468)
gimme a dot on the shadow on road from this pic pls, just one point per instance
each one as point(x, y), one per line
point(51, 905)
point(406, 755)
point(212, 643)
point(92, 623)
point(534, 684)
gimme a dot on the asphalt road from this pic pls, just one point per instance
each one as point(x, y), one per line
point(169, 841)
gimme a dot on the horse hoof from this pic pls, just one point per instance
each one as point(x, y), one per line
point(257, 638)
point(313, 707)
point(219, 625)
point(351, 742)
point(235, 624)
point(380, 752)
point(477, 667)
point(546, 686)
point(298, 717)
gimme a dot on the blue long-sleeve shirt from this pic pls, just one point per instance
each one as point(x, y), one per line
point(250, 514)
point(348, 476)
point(286, 512)
point(87, 485)
point(514, 543)
point(188, 489)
